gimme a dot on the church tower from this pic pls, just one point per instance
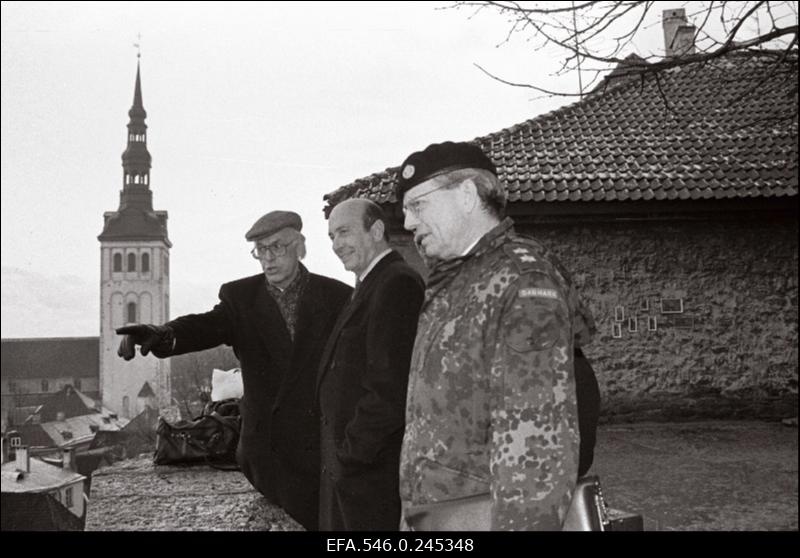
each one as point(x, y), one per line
point(134, 277)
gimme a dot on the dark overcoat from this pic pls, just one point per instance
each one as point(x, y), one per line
point(278, 448)
point(362, 396)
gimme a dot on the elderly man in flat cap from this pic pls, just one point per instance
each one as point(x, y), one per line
point(277, 323)
point(492, 437)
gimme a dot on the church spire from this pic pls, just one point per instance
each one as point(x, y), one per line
point(135, 216)
point(136, 159)
point(137, 110)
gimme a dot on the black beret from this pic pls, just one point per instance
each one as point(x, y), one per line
point(272, 222)
point(440, 158)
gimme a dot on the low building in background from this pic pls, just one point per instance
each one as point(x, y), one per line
point(38, 496)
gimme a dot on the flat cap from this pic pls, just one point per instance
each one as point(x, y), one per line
point(272, 222)
point(441, 158)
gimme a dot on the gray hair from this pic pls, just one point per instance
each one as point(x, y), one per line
point(491, 191)
point(297, 236)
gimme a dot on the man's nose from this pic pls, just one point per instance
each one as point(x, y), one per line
point(410, 221)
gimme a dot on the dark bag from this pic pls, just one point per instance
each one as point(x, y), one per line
point(588, 395)
point(208, 439)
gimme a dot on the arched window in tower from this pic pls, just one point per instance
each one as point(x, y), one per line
point(127, 178)
point(145, 263)
point(144, 179)
point(117, 262)
point(131, 262)
point(131, 313)
point(136, 179)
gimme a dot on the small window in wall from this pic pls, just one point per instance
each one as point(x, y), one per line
point(117, 262)
point(131, 313)
point(145, 263)
point(672, 306)
point(45, 385)
point(69, 502)
point(15, 441)
point(652, 323)
point(616, 330)
point(633, 324)
point(131, 262)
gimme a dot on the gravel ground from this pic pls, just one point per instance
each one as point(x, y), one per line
point(705, 476)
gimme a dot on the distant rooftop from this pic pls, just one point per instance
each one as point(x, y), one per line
point(42, 477)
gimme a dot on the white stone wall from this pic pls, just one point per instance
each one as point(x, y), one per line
point(120, 381)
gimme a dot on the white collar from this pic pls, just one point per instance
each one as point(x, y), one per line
point(471, 246)
point(373, 263)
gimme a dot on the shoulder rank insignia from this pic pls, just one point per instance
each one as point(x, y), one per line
point(524, 258)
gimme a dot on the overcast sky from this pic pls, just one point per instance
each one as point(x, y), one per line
point(250, 108)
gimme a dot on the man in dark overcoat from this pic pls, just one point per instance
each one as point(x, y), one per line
point(364, 375)
point(277, 323)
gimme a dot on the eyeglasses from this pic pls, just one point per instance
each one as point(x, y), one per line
point(275, 250)
point(414, 205)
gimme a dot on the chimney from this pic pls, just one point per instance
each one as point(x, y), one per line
point(23, 460)
point(67, 460)
point(60, 416)
point(678, 33)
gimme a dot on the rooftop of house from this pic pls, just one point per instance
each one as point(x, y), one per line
point(724, 129)
point(67, 418)
point(42, 477)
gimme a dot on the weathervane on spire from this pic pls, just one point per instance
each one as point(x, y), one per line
point(137, 44)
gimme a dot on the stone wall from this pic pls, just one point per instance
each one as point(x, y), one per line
point(730, 353)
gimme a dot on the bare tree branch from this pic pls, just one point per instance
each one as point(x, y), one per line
point(578, 29)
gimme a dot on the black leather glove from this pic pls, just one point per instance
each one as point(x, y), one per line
point(158, 339)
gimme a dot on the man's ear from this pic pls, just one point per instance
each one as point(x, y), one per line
point(377, 229)
point(471, 197)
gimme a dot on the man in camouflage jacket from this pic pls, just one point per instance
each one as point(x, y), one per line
point(492, 436)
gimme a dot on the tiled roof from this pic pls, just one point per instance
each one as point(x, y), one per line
point(57, 357)
point(78, 430)
point(727, 134)
point(69, 401)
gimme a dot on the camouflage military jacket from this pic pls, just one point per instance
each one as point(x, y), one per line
point(491, 405)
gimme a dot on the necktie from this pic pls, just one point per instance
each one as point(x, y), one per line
point(355, 290)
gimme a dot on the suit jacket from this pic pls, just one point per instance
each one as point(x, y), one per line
point(278, 448)
point(362, 396)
